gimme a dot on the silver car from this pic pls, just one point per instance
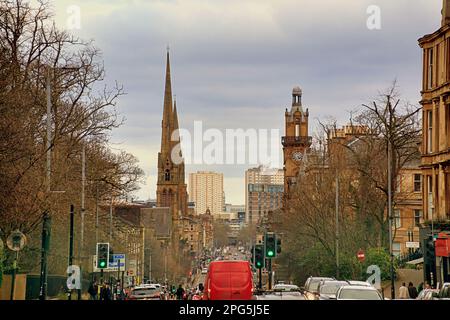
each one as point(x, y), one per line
point(358, 293)
point(328, 288)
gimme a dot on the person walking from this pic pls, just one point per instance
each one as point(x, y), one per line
point(412, 291)
point(420, 287)
point(105, 293)
point(93, 290)
point(403, 292)
point(180, 293)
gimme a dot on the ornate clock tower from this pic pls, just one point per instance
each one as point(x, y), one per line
point(296, 142)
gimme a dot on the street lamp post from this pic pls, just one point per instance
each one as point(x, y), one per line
point(389, 169)
point(337, 225)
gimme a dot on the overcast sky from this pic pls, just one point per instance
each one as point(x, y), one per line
point(234, 63)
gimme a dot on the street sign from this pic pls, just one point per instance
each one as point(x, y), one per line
point(412, 244)
point(16, 241)
point(361, 256)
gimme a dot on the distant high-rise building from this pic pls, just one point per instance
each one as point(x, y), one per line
point(206, 190)
point(263, 192)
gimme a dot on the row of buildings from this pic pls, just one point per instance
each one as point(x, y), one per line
point(422, 203)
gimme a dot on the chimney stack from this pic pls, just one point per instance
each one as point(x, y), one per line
point(445, 12)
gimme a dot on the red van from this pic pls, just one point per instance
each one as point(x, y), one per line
point(229, 280)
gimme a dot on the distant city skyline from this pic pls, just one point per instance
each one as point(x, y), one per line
point(234, 64)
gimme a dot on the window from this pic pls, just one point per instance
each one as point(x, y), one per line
point(430, 196)
point(397, 219)
point(430, 131)
point(438, 50)
point(398, 182)
point(430, 69)
point(396, 248)
point(417, 183)
point(297, 130)
point(447, 121)
point(417, 217)
point(447, 46)
point(167, 175)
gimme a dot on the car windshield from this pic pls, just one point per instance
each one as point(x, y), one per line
point(358, 294)
point(331, 288)
point(144, 292)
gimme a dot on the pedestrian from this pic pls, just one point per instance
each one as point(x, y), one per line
point(427, 285)
point(180, 292)
point(420, 287)
point(93, 290)
point(173, 292)
point(105, 293)
point(412, 291)
point(403, 292)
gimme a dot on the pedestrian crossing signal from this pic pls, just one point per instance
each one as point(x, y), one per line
point(270, 243)
point(102, 255)
point(259, 256)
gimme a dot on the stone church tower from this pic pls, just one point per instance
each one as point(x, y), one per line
point(296, 142)
point(171, 188)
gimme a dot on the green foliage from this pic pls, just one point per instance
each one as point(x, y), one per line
point(380, 257)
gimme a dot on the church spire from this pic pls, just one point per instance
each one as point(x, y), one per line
point(175, 115)
point(167, 113)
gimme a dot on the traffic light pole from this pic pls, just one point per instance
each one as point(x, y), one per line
point(260, 279)
point(46, 229)
point(13, 281)
point(270, 273)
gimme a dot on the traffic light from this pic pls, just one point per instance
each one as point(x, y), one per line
point(278, 245)
point(259, 256)
point(270, 243)
point(102, 255)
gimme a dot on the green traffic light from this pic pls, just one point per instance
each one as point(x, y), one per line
point(270, 253)
point(102, 264)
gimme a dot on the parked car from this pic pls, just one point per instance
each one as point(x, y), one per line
point(204, 270)
point(229, 280)
point(310, 290)
point(427, 294)
point(327, 289)
point(444, 292)
point(144, 293)
point(358, 293)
